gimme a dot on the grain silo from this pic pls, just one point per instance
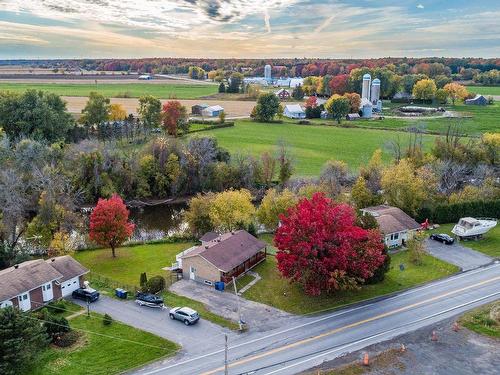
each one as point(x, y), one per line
point(365, 92)
point(267, 72)
point(375, 91)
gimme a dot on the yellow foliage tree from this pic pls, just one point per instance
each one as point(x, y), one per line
point(273, 205)
point(403, 187)
point(232, 209)
point(361, 195)
point(60, 245)
point(456, 91)
point(117, 112)
point(425, 89)
point(491, 144)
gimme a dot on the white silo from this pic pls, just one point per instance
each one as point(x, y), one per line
point(365, 92)
point(375, 91)
point(267, 72)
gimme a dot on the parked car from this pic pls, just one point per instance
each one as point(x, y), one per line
point(148, 299)
point(184, 314)
point(442, 237)
point(88, 295)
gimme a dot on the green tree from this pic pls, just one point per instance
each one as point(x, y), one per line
point(425, 89)
point(338, 107)
point(149, 111)
point(441, 96)
point(36, 114)
point(416, 248)
point(96, 110)
point(22, 340)
point(195, 72)
point(273, 205)
point(222, 87)
point(198, 214)
point(361, 195)
point(298, 92)
point(267, 107)
point(232, 209)
point(235, 82)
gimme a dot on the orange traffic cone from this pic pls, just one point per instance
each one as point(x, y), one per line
point(455, 327)
point(434, 336)
point(366, 360)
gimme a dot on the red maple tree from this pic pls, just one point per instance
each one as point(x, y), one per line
point(339, 84)
point(173, 113)
point(320, 246)
point(311, 102)
point(109, 225)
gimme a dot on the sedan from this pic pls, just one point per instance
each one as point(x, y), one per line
point(442, 237)
point(148, 299)
point(88, 295)
point(184, 314)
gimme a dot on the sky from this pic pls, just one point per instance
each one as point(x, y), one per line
point(248, 28)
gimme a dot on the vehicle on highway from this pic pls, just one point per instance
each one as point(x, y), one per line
point(442, 237)
point(184, 314)
point(148, 299)
point(87, 294)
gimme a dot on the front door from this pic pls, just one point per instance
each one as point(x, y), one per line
point(192, 273)
point(24, 302)
point(47, 292)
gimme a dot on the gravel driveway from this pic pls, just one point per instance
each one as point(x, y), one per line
point(457, 254)
point(194, 339)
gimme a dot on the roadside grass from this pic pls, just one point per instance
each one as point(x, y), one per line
point(310, 145)
point(131, 261)
point(103, 350)
point(278, 292)
point(479, 321)
point(484, 90)
point(489, 244)
point(114, 90)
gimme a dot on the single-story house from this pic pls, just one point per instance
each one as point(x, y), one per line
point(477, 100)
point(283, 94)
point(226, 256)
point(396, 226)
point(294, 111)
point(30, 285)
point(212, 111)
point(197, 108)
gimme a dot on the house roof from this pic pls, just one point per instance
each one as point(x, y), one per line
point(214, 108)
point(391, 219)
point(282, 91)
point(209, 236)
point(67, 266)
point(27, 276)
point(228, 250)
point(294, 108)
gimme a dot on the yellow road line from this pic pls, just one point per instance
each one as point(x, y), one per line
point(355, 324)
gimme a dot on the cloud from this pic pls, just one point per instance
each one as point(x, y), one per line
point(324, 24)
point(420, 6)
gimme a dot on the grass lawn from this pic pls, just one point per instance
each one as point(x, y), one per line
point(489, 244)
point(479, 321)
point(485, 90)
point(131, 261)
point(310, 145)
point(278, 292)
point(103, 350)
point(113, 90)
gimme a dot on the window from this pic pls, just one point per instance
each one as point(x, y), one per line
point(49, 286)
point(396, 236)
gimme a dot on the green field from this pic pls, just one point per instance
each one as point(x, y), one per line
point(485, 90)
point(278, 292)
point(311, 146)
point(480, 321)
point(103, 350)
point(113, 90)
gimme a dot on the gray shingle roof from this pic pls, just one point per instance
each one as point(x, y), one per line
point(392, 219)
point(68, 267)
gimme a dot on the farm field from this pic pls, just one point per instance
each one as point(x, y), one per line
point(311, 146)
point(131, 90)
point(485, 90)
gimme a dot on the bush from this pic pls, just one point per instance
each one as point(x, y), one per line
point(304, 122)
point(107, 320)
point(379, 273)
point(155, 284)
point(56, 307)
point(68, 339)
point(451, 213)
point(56, 326)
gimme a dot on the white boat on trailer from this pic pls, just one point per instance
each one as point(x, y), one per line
point(469, 227)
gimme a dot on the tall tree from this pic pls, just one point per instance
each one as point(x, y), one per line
point(321, 248)
point(267, 107)
point(456, 91)
point(339, 84)
point(425, 89)
point(235, 82)
point(361, 195)
point(298, 93)
point(174, 114)
point(149, 111)
point(109, 225)
point(273, 205)
point(22, 340)
point(232, 209)
point(338, 107)
point(96, 110)
point(117, 112)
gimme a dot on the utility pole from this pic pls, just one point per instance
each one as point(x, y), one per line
point(226, 369)
point(238, 301)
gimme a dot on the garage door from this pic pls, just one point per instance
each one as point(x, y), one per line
point(69, 286)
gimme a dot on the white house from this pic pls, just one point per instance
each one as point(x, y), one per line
point(294, 111)
point(212, 111)
point(396, 226)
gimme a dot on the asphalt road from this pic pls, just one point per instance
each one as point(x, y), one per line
point(294, 348)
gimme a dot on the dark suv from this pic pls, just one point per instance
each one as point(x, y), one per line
point(148, 299)
point(88, 295)
point(442, 237)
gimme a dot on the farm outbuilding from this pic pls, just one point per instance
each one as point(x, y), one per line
point(212, 111)
point(197, 108)
point(283, 94)
point(294, 111)
point(477, 100)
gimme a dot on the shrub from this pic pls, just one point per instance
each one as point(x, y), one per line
point(379, 273)
point(107, 320)
point(143, 280)
point(56, 326)
point(451, 213)
point(67, 339)
point(56, 307)
point(155, 284)
point(304, 122)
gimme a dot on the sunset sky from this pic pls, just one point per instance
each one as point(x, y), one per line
point(248, 28)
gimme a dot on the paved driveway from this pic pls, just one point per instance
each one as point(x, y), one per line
point(194, 339)
point(457, 254)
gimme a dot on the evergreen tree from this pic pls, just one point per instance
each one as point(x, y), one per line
point(298, 93)
point(222, 87)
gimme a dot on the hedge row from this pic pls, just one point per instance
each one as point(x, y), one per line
point(451, 213)
point(211, 127)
